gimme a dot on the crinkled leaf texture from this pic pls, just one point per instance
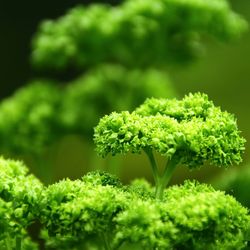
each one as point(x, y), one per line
point(80, 214)
point(20, 194)
point(192, 129)
point(191, 216)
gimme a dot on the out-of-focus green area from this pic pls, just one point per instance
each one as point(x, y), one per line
point(222, 73)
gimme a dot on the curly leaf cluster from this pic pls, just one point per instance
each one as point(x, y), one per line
point(192, 129)
point(20, 195)
point(192, 216)
point(4, 218)
point(20, 188)
point(101, 178)
point(97, 209)
point(87, 36)
point(209, 210)
point(27, 119)
point(75, 208)
point(39, 114)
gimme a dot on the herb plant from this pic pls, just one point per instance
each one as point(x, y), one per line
point(99, 212)
point(190, 132)
point(100, 43)
point(52, 111)
point(122, 51)
point(82, 214)
point(40, 114)
point(20, 194)
point(170, 28)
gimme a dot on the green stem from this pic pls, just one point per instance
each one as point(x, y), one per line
point(153, 163)
point(8, 242)
point(18, 243)
point(165, 178)
point(106, 242)
point(114, 165)
point(161, 181)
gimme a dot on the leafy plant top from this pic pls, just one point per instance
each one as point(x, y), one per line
point(21, 188)
point(28, 119)
point(88, 36)
point(98, 210)
point(20, 194)
point(82, 212)
point(191, 131)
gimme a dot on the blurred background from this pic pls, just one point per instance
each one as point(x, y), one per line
point(223, 73)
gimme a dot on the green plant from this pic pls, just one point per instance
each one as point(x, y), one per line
point(20, 194)
point(112, 50)
point(125, 50)
point(190, 132)
point(41, 113)
point(99, 212)
point(88, 36)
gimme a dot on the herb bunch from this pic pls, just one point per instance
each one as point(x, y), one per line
point(88, 36)
point(98, 212)
point(190, 132)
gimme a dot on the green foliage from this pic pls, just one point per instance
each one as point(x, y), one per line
point(80, 211)
point(172, 29)
point(210, 220)
point(95, 94)
point(192, 216)
point(10, 231)
point(5, 217)
point(193, 130)
point(27, 119)
point(9, 243)
point(142, 188)
point(20, 195)
point(142, 223)
point(21, 188)
point(39, 114)
point(101, 178)
point(99, 211)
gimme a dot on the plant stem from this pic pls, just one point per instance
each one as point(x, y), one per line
point(106, 242)
point(8, 242)
point(165, 178)
point(18, 243)
point(161, 181)
point(153, 164)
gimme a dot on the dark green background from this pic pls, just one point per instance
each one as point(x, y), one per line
point(222, 73)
